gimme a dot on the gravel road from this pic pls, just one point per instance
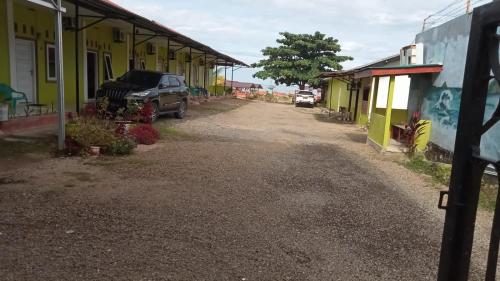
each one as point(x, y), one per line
point(237, 191)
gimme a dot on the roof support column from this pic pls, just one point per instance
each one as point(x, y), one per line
point(133, 47)
point(358, 86)
point(60, 77)
point(215, 76)
point(190, 66)
point(77, 56)
point(351, 91)
point(225, 78)
point(205, 66)
point(232, 77)
point(168, 54)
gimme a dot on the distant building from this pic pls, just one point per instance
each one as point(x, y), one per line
point(243, 86)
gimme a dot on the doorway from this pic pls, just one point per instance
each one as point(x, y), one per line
point(25, 68)
point(92, 75)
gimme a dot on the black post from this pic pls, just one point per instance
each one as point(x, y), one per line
point(350, 97)
point(357, 100)
point(133, 47)
point(190, 65)
point(168, 54)
point(468, 162)
point(77, 64)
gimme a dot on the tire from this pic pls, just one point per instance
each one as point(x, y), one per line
point(181, 111)
point(156, 112)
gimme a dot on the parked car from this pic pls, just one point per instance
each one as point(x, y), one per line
point(304, 97)
point(168, 92)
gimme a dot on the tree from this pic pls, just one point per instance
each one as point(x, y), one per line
point(300, 58)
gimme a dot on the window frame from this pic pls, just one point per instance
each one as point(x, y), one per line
point(108, 73)
point(49, 46)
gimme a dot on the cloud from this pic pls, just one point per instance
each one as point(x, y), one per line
point(367, 30)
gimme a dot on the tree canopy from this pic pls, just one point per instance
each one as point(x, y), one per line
point(300, 58)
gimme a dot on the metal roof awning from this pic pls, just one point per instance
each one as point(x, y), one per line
point(399, 70)
point(111, 10)
point(51, 4)
point(334, 74)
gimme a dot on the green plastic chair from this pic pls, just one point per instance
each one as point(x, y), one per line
point(194, 91)
point(12, 96)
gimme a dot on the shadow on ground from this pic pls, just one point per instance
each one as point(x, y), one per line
point(329, 119)
point(357, 137)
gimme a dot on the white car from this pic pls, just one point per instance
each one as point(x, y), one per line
point(304, 97)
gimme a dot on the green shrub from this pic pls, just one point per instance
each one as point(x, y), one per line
point(89, 132)
point(122, 146)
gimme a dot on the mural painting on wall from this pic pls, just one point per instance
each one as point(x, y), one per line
point(442, 106)
point(490, 142)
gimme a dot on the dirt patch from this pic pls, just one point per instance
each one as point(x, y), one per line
point(237, 190)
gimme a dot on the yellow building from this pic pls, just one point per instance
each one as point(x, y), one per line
point(101, 41)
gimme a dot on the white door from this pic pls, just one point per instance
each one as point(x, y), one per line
point(25, 68)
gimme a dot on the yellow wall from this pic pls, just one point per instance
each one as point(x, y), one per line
point(380, 123)
point(337, 92)
point(377, 129)
point(99, 39)
point(362, 117)
point(4, 45)
point(399, 116)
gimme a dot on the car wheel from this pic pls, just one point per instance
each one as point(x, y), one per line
point(156, 112)
point(182, 110)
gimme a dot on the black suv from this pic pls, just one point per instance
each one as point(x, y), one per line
point(167, 91)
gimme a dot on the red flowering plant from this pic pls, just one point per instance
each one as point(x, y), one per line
point(146, 112)
point(144, 134)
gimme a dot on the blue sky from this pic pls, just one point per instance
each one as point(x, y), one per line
point(367, 30)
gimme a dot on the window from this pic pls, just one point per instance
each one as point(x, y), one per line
point(108, 68)
point(164, 82)
point(173, 82)
point(51, 62)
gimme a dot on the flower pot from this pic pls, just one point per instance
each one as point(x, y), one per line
point(125, 124)
point(95, 151)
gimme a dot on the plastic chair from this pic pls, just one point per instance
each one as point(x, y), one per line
point(8, 94)
point(195, 91)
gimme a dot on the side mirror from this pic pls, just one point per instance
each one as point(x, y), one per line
point(163, 86)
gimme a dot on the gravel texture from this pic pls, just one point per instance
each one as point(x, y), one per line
point(238, 191)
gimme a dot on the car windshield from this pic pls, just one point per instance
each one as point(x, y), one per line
point(142, 78)
point(306, 93)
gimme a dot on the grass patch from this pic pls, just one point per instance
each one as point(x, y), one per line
point(167, 131)
point(441, 173)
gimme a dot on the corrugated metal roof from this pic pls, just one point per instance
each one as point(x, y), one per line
point(110, 9)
